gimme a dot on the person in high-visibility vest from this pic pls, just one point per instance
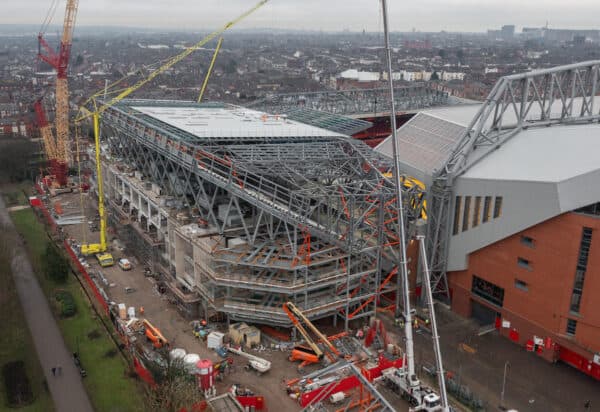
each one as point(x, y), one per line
point(416, 323)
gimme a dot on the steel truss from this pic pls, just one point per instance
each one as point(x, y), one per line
point(542, 98)
point(353, 102)
point(329, 192)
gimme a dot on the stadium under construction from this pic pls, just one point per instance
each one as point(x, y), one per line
point(243, 210)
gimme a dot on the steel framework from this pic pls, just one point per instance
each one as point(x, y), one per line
point(542, 98)
point(353, 102)
point(278, 190)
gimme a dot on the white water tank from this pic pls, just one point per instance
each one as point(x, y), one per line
point(337, 397)
point(189, 362)
point(176, 353)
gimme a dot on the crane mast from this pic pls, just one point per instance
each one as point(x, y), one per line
point(62, 88)
point(58, 149)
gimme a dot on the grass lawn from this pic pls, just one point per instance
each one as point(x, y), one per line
point(13, 193)
point(16, 344)
point(107, 384)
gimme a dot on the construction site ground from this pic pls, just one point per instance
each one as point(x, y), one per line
point(531, 385)
point(164, 314)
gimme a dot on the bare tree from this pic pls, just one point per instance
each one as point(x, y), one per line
point(175, 387)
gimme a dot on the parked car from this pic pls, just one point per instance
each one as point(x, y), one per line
point(125, 264)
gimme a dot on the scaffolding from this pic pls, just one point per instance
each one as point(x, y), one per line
point(312, 215)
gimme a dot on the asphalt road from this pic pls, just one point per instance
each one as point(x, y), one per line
point(67, 390)
point(532, 384)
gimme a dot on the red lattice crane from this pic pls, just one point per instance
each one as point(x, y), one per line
point(58, 150)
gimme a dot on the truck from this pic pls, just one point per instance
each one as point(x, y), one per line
point(105, 259)
point(420, 397)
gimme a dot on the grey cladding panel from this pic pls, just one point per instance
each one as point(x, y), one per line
point(425, 142)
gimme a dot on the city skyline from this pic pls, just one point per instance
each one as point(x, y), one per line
point(335, 15)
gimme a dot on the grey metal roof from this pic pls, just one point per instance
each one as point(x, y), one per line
point(333, 122)
point(551, 154)
point(424, 142)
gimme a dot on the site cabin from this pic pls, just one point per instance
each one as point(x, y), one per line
point(242, 334)
point(105, 259)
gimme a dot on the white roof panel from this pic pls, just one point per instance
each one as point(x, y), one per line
point(231, 122)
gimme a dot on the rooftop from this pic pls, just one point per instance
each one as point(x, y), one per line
point(543, 155)
point(230, 121)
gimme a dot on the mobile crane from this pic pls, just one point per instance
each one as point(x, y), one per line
point(315, 353)
point(405, 379)
point(99, 249)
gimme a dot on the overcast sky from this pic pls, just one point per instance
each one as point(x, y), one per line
point(423, 15)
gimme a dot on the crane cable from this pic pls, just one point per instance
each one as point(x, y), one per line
point(172, 61)
point(49, 16)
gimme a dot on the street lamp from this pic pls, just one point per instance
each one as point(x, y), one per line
point(506, 368)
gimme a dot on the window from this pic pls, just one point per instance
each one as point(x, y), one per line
point(527, 241)
point(487, 203)
point(497, 206)
point(571, 327)
point(477, 211)
point(519, 284)
point(457, 204)
point(466, 212)
point(487, 291)
point(580, 269)
point(593, 209)
point(524, 263)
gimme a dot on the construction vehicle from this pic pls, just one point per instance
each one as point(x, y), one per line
point(105, 259)
point(421, 398)
point(258, 364)
point(405, 379)
point(304, 354)
point(98, 248)
point(154, 335)
point(315, 353)
point(95, 248)
point(124, 264)
point(58, 150)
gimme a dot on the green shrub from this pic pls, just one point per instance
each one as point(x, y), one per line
point(68, 307)
point(55, 264)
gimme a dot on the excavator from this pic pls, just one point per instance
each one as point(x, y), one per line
point(313, 353)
